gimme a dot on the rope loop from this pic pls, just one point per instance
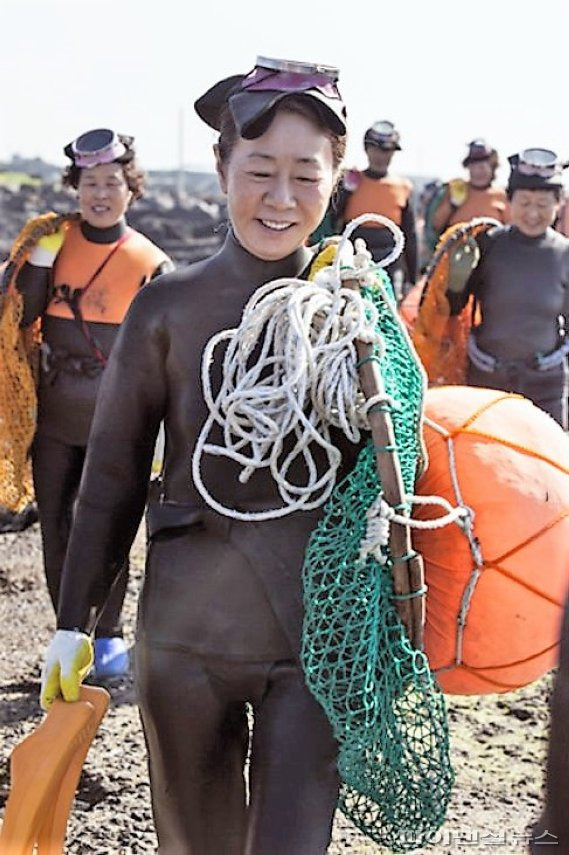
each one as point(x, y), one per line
point(290, 375)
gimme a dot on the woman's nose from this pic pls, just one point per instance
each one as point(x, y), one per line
point(280, 194)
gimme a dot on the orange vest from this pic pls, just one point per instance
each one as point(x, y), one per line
point(387, 196)
point(112, 292)
point(491, 202)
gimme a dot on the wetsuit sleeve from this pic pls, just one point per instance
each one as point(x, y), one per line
point(410, 231)
point(113, 491)
point(33, 285)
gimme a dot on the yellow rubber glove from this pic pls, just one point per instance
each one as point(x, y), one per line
point(45, 251)
point(68, 660)
point(457, 192)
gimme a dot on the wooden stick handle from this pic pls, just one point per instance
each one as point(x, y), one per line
point(408, 575)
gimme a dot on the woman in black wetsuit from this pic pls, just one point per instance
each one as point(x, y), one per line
point(80, 282)
point(521, 284)
point(221, 612)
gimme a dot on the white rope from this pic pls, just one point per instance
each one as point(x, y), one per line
point(381, 515)
point(290, 373)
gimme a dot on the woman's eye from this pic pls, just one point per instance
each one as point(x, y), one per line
point(307, 179)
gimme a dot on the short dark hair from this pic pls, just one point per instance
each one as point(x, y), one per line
point(297, 103)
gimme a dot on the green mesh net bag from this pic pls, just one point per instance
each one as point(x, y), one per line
point(378, 692)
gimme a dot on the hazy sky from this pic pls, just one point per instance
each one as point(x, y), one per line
point(444, 71)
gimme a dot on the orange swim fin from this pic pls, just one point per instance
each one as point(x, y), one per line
point(45, 769)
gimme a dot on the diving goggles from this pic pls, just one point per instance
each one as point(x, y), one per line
point(383, 133)
point(537, 161)
point(96, 147)
point(283, 75)
point(252, 97)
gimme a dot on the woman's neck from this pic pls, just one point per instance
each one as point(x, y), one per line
point(110, 234)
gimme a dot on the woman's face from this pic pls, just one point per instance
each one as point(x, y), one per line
point(379, 158)
point(533, 211)
point(278, 186)
point(480, 172)
point(103, 195)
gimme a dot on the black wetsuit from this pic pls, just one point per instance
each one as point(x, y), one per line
point(68, 385)
point(220, 616)
point(522, 287)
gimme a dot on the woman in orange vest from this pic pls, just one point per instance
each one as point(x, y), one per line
point(375, 191)
point(80, 282)
point(461, 201)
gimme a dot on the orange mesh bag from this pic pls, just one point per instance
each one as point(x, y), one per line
point(496, 587)
point(18, 361)
point(439, 338)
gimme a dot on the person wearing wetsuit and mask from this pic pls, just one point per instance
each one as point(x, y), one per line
point(80, 282)
point(521, 286)
point(460, 201)
point(220, 616)
point(376, 191)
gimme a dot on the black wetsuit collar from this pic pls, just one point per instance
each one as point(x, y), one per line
point(480, 187)
point(256, 269)
point(108, 235)
point(527, 239)
point(373, 173)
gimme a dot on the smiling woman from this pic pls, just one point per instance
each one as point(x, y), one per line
point(277, 191)
point(76, 283)
point(521, 286)
point(221, 612)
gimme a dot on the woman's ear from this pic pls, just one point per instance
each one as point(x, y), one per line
point(220, 169)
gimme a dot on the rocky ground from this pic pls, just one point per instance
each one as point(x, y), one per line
point(498, 742)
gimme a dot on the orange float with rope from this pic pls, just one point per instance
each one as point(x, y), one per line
point(496, 583)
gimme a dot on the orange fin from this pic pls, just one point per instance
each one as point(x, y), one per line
point(45, 769)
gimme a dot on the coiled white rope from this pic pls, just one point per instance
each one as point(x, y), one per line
point(289, 371)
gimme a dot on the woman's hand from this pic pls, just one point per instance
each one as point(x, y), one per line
point(68, 660)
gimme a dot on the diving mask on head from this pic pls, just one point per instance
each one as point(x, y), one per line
point(252, 97)
point(535, 169)
point(99, 146)
point(383, 135)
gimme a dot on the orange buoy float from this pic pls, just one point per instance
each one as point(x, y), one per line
point(496, 587)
